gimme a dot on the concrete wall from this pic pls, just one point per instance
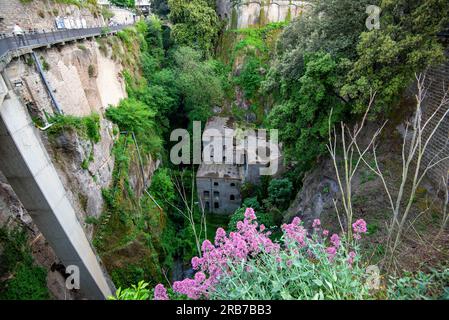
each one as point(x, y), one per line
point(29, 170)
point(224, 189)
point(122, 16)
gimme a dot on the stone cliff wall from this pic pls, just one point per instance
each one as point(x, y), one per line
point(41, 14)
point(245, 13)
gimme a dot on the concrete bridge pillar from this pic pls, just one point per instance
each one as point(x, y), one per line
point(28, 168)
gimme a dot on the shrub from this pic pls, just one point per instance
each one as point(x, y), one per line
point(132, 115)
point(87, 127)
point(28, 281)
point(91, 71)
point(45, 65)
point(279, 192)
point(263, 218)
point(420, 286)
point(162, 187)
point(247, 265)
point(139, 292)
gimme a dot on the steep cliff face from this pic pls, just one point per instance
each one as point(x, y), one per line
point(246, 13)
point(85, 82)
point(320, 197)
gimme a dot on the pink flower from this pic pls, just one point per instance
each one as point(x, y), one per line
point(325, 232)
point(359, 227)
point(296, 221)
point(316, 223)
point(351, 257)
point(196, 263)
point(160, 293)
point(207, 245)
point(335, 240)
point(200, 277)
point(331, 252)
point(220, 234)
point(262, 228)
point(249, 214)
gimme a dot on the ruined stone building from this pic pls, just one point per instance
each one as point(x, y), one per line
point(223, 172)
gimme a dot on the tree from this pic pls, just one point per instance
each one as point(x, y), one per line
point(302, 116)
point(198, 84)
point(195, 24)
point(160, 7)
point(388, 58)
point(280, 191)
point(135, 116)
point(162, 187)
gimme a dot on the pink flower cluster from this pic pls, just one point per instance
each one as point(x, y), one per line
point(294, 233)
point(160, 293)
point(351, 257)
point(359, 227)
point(248, 241)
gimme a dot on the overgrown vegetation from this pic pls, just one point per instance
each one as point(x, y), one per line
point(318, 70)
point(87, 127)
point(21, 278)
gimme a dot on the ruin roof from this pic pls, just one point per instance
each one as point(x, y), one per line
point(220, 171)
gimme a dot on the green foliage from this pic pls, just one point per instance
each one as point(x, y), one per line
point(332, 26)
point(44, 64)
point(123, 277)
point(195, 24)
point(142, 292)
point(132, 115)
point(307, 275)
point(91, 220)
point(29, 283)
point(91, 71)
point(250, 78)
point(139, 292)
point(420, 286)
point(239, 215)
point(160, 7)
point(25, 280)
point(303, 116)
point(162, 187)
point(279, 193)
point(106, 13)
point(389, 58)
point(87, 127)
point(198, 83)
point(124, 3)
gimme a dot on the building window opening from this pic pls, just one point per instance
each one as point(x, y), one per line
point(232, 197)
point(216, 184)
point(232, 184)
point(216, 205)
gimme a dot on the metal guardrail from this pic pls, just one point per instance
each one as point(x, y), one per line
point(41, 39)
